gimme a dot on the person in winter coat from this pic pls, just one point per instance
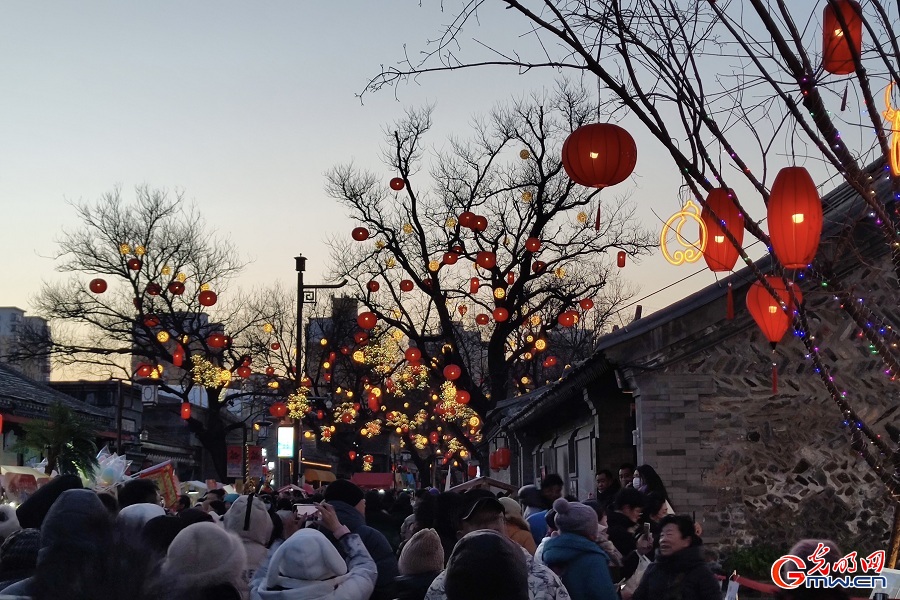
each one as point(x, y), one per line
point(248, 519)
point(18, 556)
point(680, 571)
point(625, 532)
point(421, 561)
point(349, 504)
point(574, 554)
point(204, 557)
point(517, 528)
point(486, 565)
point(308, 567)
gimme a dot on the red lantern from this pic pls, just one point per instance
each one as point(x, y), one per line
point(327, 377)
point(217, 340)
point(413, 355)
point(620, 259)
point(473, 470)
point(368, 458)
point(766, 310)
point(134, 264)
point(450, 258)
point(275, 346)
point(373, 286)
point(503, 458)
point(278, 410)
point(374, 404)
point(320, 414)
point(492, 461)
point(486, 260)
point(839, 44)
point(795, 217)
point(720, 254)
point(599, 155)
point(539, 266)
point(501, 314)
point(586, 304)
point(463, 397)
point(462, 309)
point(270, 371)
point(153, 289)
point(397, 184)
point(360, 337)
point(466, 218)
point(144, 370)
point(482, 319)
point(208, 298)
point(185, 410)
point(533, 244)
point(479, 223)
point(178, 356)
point(550, 361)
point(452, 372)
point(406, 285)
point(360, 234)
point(366, 320)
point(568, 318)
point(433, 437)
point(351, 455)
point(510, 278)
point(244, 372)
point(98, 286)
point(474, 285)
point(176, 288)
point(151, 321)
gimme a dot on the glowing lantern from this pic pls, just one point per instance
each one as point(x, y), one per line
point(479, 223)
point(462, 309)
point(351, 455)
point(795, 217)
point(360, 337)
point(452, 372)
point(839, 45)
point(244, 372)
point(144, 370)
point(153, 289)
point(278, 410)
point(366, 320)
point(533, 244)
point(176, 288)
point(98, 286)
point(433, 437)
point(406, 285)
point(463, 397)
point(373, 286)
point(450, 258)
point(270, 371)
point(550, 361)
point(178, 356)
point(275, 346)
point(474, 284)
point(503, 458)
point(501, 314)
point(511, 277)
point(486, 260)
point(360, 234)
point(720, 254)
point(539, 266)
point(586, 304)
point(482, 319)
point(620, 259)
point(466, 219)
point(766, 310)
point(134, 264)
point(217, 340)
point(599, 155)
point(162, 337)
point(374, 404)
point(413, 355)
point(568, 318)
point(473, 470)
point(185, 410)
point(397, 184)
point(320, 414)
point(208, 298)
point(151, 321)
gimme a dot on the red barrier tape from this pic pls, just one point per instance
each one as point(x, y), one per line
point(764, 588)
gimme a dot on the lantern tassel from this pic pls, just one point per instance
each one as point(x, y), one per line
point(774, 379)
point(729, 304)
point(844, 99)
point(597, 219)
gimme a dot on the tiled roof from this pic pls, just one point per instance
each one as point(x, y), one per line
point(30, 397)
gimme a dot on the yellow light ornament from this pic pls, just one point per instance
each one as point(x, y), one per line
point(434, 266)
point(204, 287)
point(166, 270)
point(181, 277)
point(140, 251)
point(893, 115)
point(582, 217)
point(268, 328)
point(540, 345)
point(407, 228)
point(527, 196)
point(379, 244)
point(451, 223)
point(691, 251)
point(124, 249)
point(162, 337)
point(524, 154)
point(499, 293)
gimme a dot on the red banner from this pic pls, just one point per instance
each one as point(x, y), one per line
point(235, 460)
point(254, 462)
point(164, 476)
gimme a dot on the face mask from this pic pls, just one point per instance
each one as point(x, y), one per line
point(636, 482)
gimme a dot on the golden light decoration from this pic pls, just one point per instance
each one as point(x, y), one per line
point(372, 429)
point(541, 344)
point(124, 249)
point(166, 270)
point(273, 384)
point(499, 293)
point(323, 342)
point(474, 422)
point(451, 223)
point(524, 154)
point(206, 374)
point(298, 403)
point(420, 441)
point(396, 313)
point(390, 263)
point(529, 338)
point(434, 266)
point(181, 277)
point(535, 320)
point(525, 380)
point(527, 356)
point(691, 251)
point(379, 244)
point(582, 217)
point(204, 287)
point(185, 339)
point(367, 466)
point(140, 251)
point(893, 115)
point(359, 357)
point(326, 365)
point(268, 328)
point(376, 391)
point(560, 272)
point(326, 432)
point(308, 434)
point(162, 337)
point(527, 196)
point(397, 335)
point(407, 228)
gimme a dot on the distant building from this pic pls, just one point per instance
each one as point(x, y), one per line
point(13, 325)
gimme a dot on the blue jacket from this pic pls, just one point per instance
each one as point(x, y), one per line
point(537, 522)
point(582, 565)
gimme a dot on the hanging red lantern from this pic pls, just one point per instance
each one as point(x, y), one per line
point(144, 370)
point(586, 304)
point(492, 461)
point(270, 371)
point(207, 297)
point(413, 355)
point(538, 266)
point(351, 455)
point(185, 410)
point(278, 410)
point(275, 346)
point(452, 372)
point(360, 234)
point(720, 254)
point(360, 337)
point(176, 288)
point(479, 223)
point(503, 458)
point(501, 314)
point(98, 286)
point(474, 285)
point(151, 321)
point(368, 458)
point(766, 310)
point(450, 258)
point(510, 278)
point(320, 414)
point(795, 217)
point(134, 264)
point(533, 244)
point(217, 340)
point(482, 319)
point(327, 377)
point(153, 289)
point(178, 355)
point(466, 219)
point(473, 470)
point(406, 285)
point(433, 437)
point(373, 286)
point(397, 184)
point(373, 403)
point(620, 259)
point(599, 155)
point(568, 318)
point(244, 372)
point(550, 361)
point(463, 397)
point(366, 320)
point(486, 260)
point(839, 44)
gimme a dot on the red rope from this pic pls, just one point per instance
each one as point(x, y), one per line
point(764, 588)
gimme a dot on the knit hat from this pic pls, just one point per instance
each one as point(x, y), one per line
point(511, 507)
point(575, 517)
point(8, 521)
point(486, 564)
point(137, 515)
point(344, 490)
point(423, 553)
point(19, 551)
point(32, 512)
point(203, 555)
point(305, 556)
point(256, 526)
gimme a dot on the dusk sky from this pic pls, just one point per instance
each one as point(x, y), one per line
point(244, 108)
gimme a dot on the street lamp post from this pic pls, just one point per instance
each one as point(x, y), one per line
point(300, 261)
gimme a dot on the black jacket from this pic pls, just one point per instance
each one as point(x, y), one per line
point(681, 576)
point(413, 587)
point(375, 543)
point(621, 534)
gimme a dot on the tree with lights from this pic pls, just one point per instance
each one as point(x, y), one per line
point(477, 265)
point(794, 84)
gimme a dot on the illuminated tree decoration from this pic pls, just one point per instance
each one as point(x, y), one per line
point(720, 254)
point(795, 217)
point(98, 286)
point(278, 410)
point(533, 244)
point(406, 285)
point(360, 234)
point(373, 286)
point(153, 289)
point(501, 314)
point(691, 251)
point(176, 288)
point(366, 320)
point(586, 304)
point(893, 115)
point(839, 44)
point(298, 403)
point(135, 264)
point(620, 259)
point(486, 260)
point(482, 319)
point(452, 372)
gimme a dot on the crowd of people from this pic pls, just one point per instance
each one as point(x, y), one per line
point(623, 542)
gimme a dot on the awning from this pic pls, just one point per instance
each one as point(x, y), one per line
point(318, 475)
point(13, 470)
point(373, 481)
